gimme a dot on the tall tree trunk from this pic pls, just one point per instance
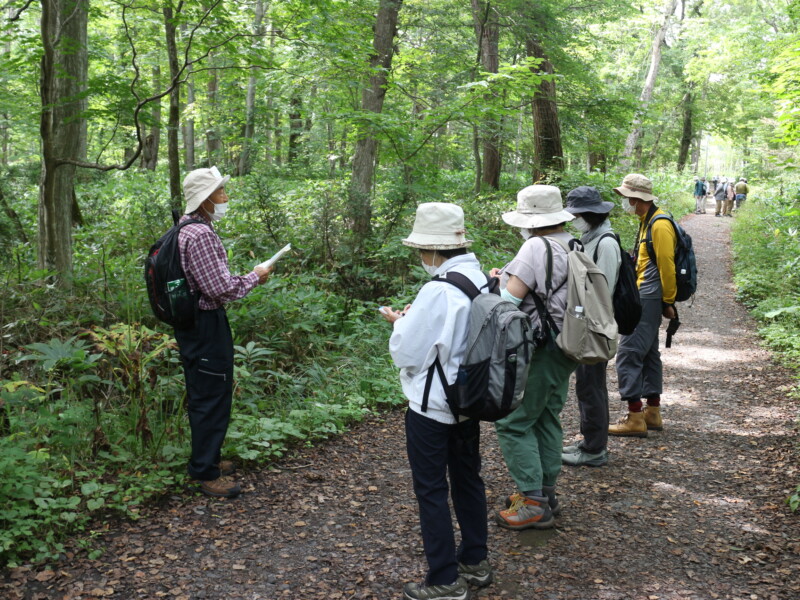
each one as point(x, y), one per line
point(213, 142)
point(487, 33)
point(244, 164)
point(153, 139)
point(548, 153)
point(687, 134)
point(359, 205)
point(649, 83)
point(295, 127)
point(64, 70)
point(173, 150)
point(188, 123)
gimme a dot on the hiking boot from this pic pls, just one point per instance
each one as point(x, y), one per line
point(550, 494)
point(631, 425)
point(572, 449)
point(455, 591)
point(652, 418)
point(479, 575)
point(226, 468)
point(526, 513)
point(581, 458)
point(221, 487)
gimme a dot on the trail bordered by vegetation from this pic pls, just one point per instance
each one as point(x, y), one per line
point(694, 512)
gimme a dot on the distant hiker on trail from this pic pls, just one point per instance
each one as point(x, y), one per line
point(700, 188)
point(741, 190)
point(639, 368)
point(591, 219)
point(729, 196)
point(436, 325)
point(531, 437)
point(719, 196)
point(207, 349)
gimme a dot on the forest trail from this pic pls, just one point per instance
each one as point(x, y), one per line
point(694, 512)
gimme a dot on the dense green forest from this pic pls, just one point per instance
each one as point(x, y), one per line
point(335, 119)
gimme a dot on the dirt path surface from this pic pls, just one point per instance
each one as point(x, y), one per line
point(694, 512)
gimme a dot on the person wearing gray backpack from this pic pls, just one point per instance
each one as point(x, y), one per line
point(431, 331)
point(536, 281)
point(599, 241)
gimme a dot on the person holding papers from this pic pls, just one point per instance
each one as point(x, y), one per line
point(207, 349)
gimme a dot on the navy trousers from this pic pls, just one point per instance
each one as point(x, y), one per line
point(436, 450)
point(592, 393)
point(207, 356)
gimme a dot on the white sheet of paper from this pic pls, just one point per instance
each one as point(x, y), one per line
point(275, 257)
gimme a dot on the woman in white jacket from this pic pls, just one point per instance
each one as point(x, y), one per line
point(434, 327)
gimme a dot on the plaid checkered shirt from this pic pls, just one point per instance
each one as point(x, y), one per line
point(205, 263)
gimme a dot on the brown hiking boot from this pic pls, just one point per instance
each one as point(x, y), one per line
point(526, 513)
point(222, 487)
point(226, 468)
point(652, 418)
point(631, 425)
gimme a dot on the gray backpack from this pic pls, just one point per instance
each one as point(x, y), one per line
point(491, 379)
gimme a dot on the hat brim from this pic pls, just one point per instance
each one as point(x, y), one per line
point(529, 221)
point(194, 203)
point(629, 193)
point(601, 209)
point(420, 242)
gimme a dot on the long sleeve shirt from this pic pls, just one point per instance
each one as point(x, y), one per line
point(205, 263)
point(437, 324)
point(657, 280)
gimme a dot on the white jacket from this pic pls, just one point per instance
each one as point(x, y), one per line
point(437, 322)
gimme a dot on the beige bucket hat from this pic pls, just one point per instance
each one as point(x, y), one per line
point(538, 206)
point(199, 184)
point(636, 186)
point(438, 226)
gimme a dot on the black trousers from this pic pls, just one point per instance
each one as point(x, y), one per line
point(592, 393)
point(207, 355)
point(434, 451)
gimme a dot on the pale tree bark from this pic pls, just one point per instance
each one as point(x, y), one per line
point(487, 33)
point(548, 152)
point(213, 141)
point(153, 139)
point(188, 123)
point(363, 169)
point(635, 135)
point(244, 163)
point(173, 121)
point(64, 70)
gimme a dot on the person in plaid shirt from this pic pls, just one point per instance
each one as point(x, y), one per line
point(207, 349)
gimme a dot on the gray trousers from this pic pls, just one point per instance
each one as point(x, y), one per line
point(590, 387)
point(639, 369)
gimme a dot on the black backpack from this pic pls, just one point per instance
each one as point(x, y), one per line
point(685, 262)
point(167, 288)
point(627, 305)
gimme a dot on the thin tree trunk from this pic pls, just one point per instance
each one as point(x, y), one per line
point(153, 139)
point(687, 133)
point(188, 124)
point(173, 125)
point(548, 153)
point(295, 127)
point(359, 204)
point(213, 142)
point(649, 83)
point(487, 32)
point(64, 70)
point(244, 164)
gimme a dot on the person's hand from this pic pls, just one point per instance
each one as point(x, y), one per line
point(494, 272)
point(669, 312)
point(392, 315)
point(263, 274)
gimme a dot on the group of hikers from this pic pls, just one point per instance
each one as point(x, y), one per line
point(433, 330)
point(728, 194)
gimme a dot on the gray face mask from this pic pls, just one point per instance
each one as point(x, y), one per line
point(580, 224)
point(525, 233)
point(429, 269)
point(627, 207)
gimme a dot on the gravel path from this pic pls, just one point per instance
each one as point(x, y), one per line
point(694, 512)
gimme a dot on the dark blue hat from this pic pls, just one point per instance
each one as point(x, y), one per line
point(585, 199)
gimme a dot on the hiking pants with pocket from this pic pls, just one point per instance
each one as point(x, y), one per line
point(592, 393)
point(435, 451)
point(639, 369)
point(207, 356)
point(531, 437)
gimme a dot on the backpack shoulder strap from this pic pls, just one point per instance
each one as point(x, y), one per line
point(462, 282)
point(648, 240)
point(607, 234)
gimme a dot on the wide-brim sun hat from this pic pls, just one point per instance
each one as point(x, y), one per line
point(438, 226)
point(199, 184)
point(538, 206)
point(638, 186)
point(586, 199)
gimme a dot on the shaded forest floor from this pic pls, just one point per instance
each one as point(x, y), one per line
point(694, 512)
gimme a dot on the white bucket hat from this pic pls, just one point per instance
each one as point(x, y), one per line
point(438, 226)
point(199, 184)
point(637, 186)
point(538, 206)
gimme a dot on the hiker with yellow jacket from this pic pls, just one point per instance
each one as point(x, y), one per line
point(639, 368)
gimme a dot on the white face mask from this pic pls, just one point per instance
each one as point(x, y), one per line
point(429, 269)
point(219, 211)
point(525, 233)
point(626, 206)
point(581, 225)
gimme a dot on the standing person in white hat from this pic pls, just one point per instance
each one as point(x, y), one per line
point(434, 328)
point(531, 436)
point(207, 349)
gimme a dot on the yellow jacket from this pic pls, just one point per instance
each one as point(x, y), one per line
point(657, 279)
